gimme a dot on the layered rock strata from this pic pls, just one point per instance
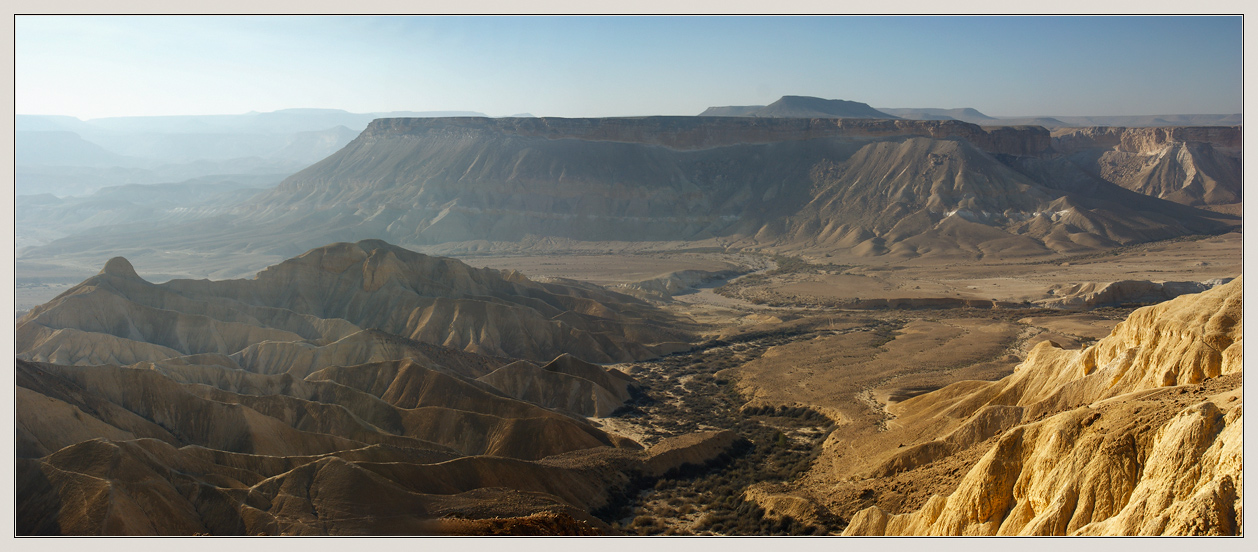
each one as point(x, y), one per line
point(1139, 434)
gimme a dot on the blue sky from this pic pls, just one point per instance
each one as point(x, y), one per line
point(92, 67)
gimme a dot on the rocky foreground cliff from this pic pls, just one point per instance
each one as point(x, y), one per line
point(1139, 434)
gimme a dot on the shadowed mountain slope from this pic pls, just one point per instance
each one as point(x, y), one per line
point(566, 383)
point(376, 449)
point(327, 295)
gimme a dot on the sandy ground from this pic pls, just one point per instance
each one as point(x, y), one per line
point(606, 270)
point(1013, 281)
point(855, 373)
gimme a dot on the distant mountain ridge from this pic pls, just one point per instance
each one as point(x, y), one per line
point(63, 147)
point(67, 156)
point(967, 114)
point(813, 107)
point(281, 121)
point(807, 107)
point(971, 115)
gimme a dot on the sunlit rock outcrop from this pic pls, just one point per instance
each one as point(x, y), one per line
point(1139, 434)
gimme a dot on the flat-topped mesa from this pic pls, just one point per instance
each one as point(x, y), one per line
point(1145, 139)
point(696, 133)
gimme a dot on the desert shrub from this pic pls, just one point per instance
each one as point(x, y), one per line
point(706, 521)
point(785, 524)
point(644, 521)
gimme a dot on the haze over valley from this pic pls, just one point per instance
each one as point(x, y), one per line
point(793, 316)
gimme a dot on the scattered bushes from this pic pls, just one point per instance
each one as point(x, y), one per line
point(708, 499)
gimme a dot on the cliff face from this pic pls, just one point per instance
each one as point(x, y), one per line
point(693, 133)
point(873, 187)
point(1188, 165)
point(1139, 434)
point(1146, 139)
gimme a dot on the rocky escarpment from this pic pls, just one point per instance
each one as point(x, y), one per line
point(1139, 434)
point(862, 187)
point(1189, 165)
point(1145, 140)
point(869, 187)
point(695, 133)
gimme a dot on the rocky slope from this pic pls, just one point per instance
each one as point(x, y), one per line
point(1139, 434)
point(325, 296)
point(399, 447)
point(566, 384)
point(286, 404)
point(1188, 165)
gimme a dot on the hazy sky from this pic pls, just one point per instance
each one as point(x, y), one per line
point(604, 66)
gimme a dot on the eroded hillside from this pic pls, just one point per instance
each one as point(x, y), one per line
point(1189, 165)
point(286, 404)
point(331, 293)
point(1139, 434)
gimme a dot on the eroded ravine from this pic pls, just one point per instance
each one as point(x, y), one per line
point(684, 393)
